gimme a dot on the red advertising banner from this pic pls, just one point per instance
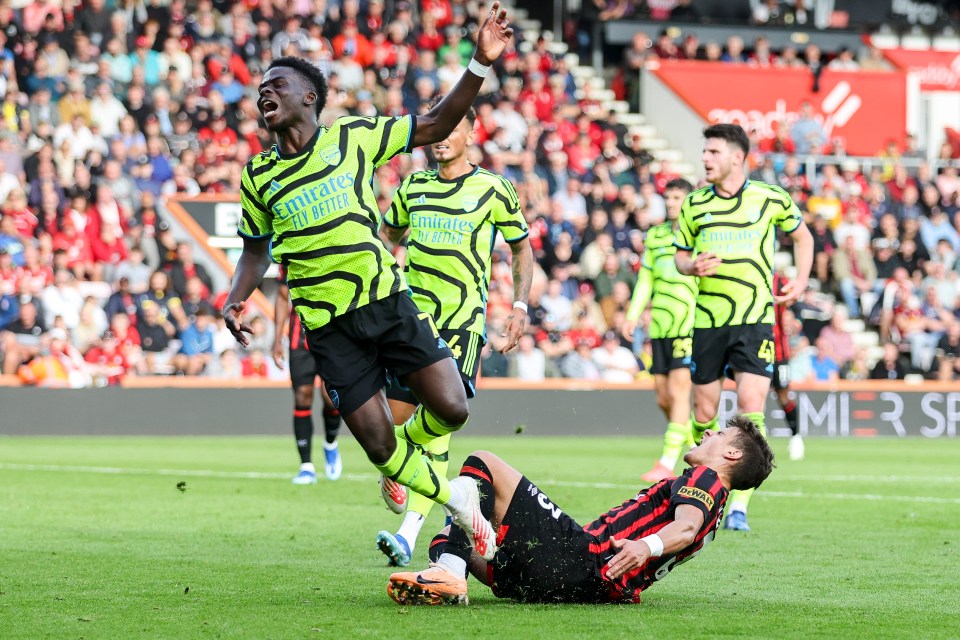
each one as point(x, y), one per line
point(938, 70)
point(864, 109)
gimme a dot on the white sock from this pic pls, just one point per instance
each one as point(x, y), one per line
point(739, 506)
point(330, 446)
point(668, 462)
point(454, 564)
point(458, 498)
point(410, 529)
point(308, 466)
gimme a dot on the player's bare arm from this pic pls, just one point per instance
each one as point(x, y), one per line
point(393, 235)
point(803, 258)
point(522, 281)
point(281, 315)
point(704, 264)
point(492, 39)
point(677, 535)
point(251, 267)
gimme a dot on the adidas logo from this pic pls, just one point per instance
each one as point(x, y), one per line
point(274, 187)
point(769, 368)
point(422, 199)
point(441, 344)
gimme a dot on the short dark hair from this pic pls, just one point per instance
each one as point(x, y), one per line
point(470, 115)
point(732, 133)
point(310, 72)
point(757, 460)
point(679, 184)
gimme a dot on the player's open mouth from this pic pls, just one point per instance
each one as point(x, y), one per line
point(268, 108)
point(441, 147)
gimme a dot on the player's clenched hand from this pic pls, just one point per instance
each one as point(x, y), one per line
point(631, 554)
point(513, 329)
point(791, 291)
point(493, 35)
point(233, 317)
point(628, 328)
point(278, 354)
point(705, 264)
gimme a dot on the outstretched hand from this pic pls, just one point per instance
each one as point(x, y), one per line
point(631, 554)
point(233, 317)
point(513, 329)
point(791, 291)
point(493, 35)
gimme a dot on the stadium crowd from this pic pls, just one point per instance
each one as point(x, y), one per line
point(107, 108)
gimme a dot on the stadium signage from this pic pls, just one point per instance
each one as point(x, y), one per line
point(863, 109)
point(937, 70)
point(868, 413)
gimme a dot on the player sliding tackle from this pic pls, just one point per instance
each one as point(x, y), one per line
point(731, 226)
point(545, 556)
point(310, 200)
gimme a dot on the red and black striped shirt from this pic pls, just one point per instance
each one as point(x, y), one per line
point(780, 340)
point(650, 511)
point(295, 332)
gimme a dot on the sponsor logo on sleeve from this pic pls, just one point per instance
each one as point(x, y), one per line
point(695, 493)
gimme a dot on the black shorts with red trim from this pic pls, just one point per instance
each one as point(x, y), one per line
point(466, 347)
point(543, 555)
point(303, 368)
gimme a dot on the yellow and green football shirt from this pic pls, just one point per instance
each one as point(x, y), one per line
point(453, 225)
point(742, 231)
point(672, 295)
point(319, 208)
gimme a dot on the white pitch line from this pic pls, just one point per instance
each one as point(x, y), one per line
point(368, 477)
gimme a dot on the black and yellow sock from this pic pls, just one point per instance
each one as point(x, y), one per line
point(423, 427)
point(409, 468)
point(303, 432)
point(700, 427)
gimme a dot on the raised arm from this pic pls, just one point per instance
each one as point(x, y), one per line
point(492, 38)
point(252, 265)
point(676, 536)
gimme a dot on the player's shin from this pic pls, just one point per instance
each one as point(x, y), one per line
point(418, 506)
point(739, 500)
point(331, 425)
point(409, 468)
point(700, 427)
point(303, 432)
point(790, 413)
point(456, 552)
point(674, 440)
point(423, 427)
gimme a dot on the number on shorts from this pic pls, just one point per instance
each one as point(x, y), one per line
point(454, 347)
point(429, 319)
point(682, 348)
point(767, 352)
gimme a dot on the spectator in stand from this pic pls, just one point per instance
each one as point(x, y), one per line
point(807, 133)
point(529, 363)
point(948, 353)
point(855, 273)
point(889, 367)
point(110, 362)
point(935, 228)
point(823, 364)
point(856, 369)
point(22, 337)
point(844, 61)
point(579, 363)
point(255, 365)
point(155, 340)
point(196, 349)
point(824, 246)
point(62, 299)
point(616, 363)
point(837, 339)
point(768, 12)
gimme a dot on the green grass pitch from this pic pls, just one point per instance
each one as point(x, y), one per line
point(96, 541)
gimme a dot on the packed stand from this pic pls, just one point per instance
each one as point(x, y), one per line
point(106, 112)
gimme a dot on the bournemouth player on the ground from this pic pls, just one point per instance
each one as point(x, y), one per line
point(450, 218)
point(303, 377)
point(726, 237)
point(673, 298)
point(545, 556)
point(309, 202)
